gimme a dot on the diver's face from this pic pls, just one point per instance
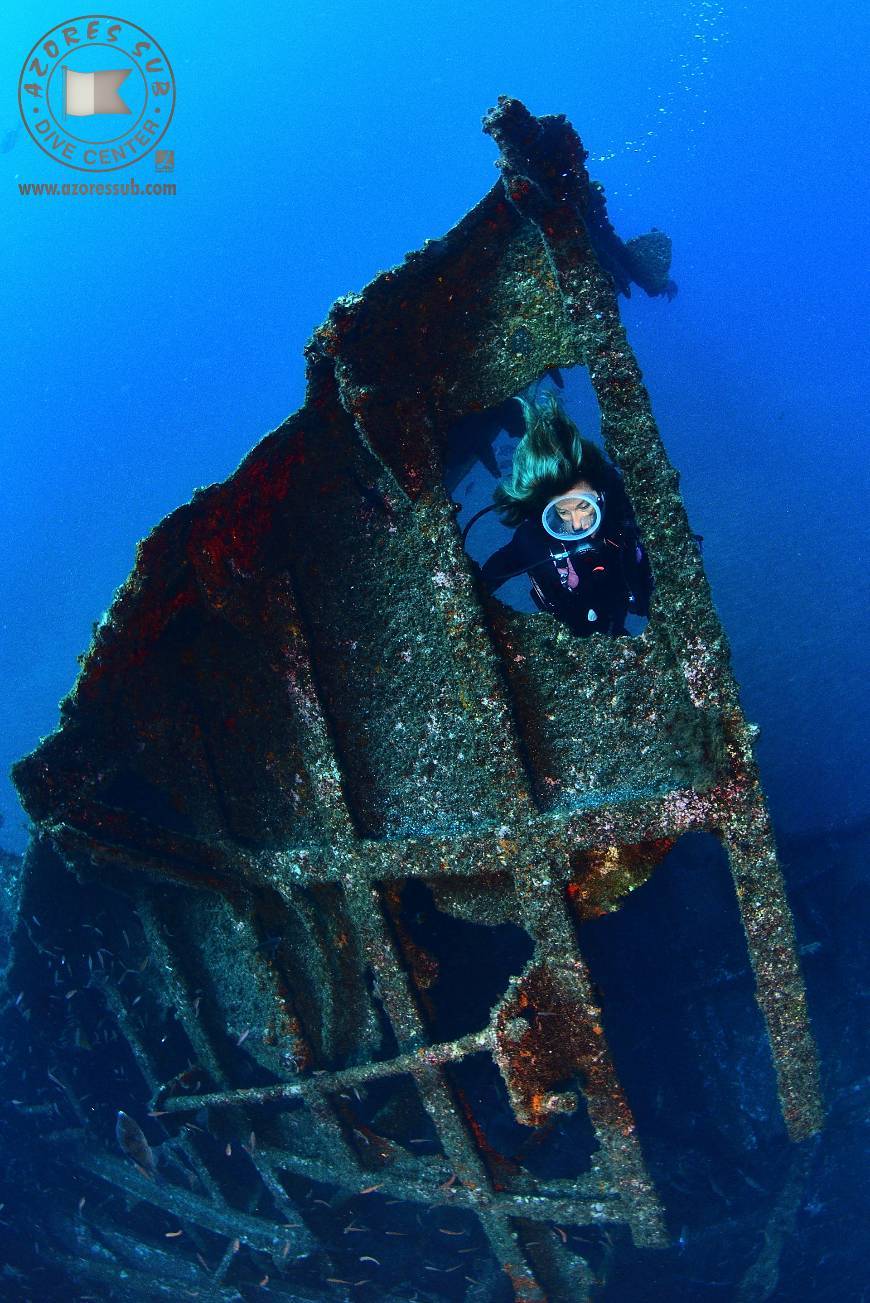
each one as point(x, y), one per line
point(577, 514)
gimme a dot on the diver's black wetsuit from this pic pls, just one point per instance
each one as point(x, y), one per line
point(608, 577)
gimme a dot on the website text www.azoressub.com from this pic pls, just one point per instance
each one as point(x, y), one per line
point(62, 189)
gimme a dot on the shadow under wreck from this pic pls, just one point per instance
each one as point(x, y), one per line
point(320, 852)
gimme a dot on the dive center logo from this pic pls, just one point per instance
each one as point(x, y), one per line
point(96, 93)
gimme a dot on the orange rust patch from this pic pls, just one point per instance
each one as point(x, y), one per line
point(605, 876)
point(545, 1040)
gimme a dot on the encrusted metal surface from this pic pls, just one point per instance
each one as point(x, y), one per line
point(300, 703)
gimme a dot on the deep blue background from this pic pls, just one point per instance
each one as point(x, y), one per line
point(147, 344)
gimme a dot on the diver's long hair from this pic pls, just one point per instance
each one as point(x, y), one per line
point(549, 458)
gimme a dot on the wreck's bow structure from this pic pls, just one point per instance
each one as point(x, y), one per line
point(302, 731)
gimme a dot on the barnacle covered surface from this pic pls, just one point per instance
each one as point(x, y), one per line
point(301, 711)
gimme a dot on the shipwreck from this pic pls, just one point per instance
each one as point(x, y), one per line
point(287, 792)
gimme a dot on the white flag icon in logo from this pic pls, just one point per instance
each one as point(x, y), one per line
point(87, 93)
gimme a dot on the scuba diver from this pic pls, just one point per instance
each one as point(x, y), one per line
point(575, 534)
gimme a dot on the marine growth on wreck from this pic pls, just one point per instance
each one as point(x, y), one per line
point(331, 878)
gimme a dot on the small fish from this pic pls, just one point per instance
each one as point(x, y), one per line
point(131, 1139)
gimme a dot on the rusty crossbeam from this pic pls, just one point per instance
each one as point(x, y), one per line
point(329, 1082)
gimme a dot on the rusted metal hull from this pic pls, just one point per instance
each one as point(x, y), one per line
point(300, 703)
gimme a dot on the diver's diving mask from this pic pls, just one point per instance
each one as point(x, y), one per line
point(572, 516)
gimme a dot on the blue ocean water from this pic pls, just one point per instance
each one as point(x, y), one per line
point(148, 345)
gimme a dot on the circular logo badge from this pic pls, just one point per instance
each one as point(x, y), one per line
point(96, 93)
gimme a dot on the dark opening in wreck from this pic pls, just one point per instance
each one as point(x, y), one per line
point(337, 862)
